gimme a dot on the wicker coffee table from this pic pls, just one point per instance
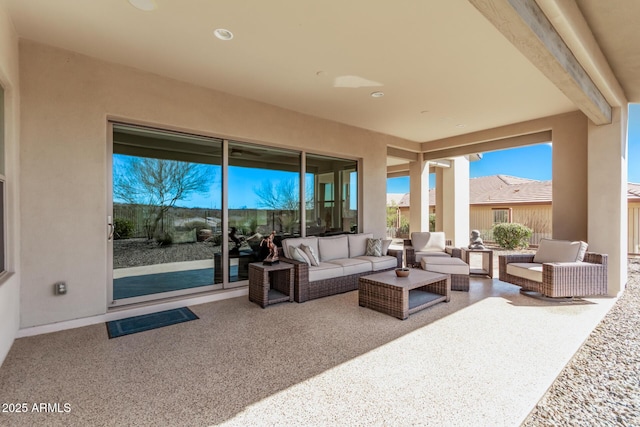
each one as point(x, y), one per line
point(401, 296)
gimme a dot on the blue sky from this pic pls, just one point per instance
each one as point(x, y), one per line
point(534, 161)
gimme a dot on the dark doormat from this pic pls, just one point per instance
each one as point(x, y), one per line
point(146, 322)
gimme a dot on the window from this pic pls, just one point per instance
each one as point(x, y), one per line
point(331, 187)
point(167, 216)
point(189, 212)
point(501, 215)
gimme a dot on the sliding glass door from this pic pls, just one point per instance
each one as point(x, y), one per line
point(188, 213)
point(167, 214)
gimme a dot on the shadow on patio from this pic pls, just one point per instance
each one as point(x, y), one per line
point(485, 358)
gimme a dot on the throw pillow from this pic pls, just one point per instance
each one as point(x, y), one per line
point(299, 255)
point(385, 246)
point(374, 247)
point(313, 258)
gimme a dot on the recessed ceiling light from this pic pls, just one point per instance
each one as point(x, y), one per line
point(223, 34)
point(460, 126)
point(146, 5)
point(377, 94)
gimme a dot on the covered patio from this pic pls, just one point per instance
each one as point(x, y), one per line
point(390, 89)
point(483, 359)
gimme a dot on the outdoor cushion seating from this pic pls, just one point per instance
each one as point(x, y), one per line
point(457, 268)
point(431, 244)
point(339, 262)
point(559, 268)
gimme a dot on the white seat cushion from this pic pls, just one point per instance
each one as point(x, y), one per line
point(381, 262)
point(421, 254)
point(445, 265)
point(352, 265)
point(526, 270)
point(325, 270)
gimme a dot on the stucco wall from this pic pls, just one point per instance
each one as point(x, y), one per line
point(66, 101)
point(10, 286)
point(570, 176)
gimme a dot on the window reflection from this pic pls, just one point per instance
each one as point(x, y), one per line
point(332, 195)
point(167, 212)
point(264, 196)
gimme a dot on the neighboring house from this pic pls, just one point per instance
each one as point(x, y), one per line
point(502, 198)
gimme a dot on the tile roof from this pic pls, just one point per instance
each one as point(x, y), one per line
point(505, 189)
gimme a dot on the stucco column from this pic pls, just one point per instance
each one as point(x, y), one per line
point(570, 177)
point(439, 199)
point(607, 188)
point(455, 201)
point(419, 189)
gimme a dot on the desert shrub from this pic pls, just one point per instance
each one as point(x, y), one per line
point(511, 235)
point(252, 225)
point(404, 225)
point(122, 228)
point(164, 238)
point(197, 225)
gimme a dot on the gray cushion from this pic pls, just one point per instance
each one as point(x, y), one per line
point(383, 262)
point(358, 243)
point(559, 251)
point(333, 248)
point(325, 270)
point(428, 241)
point(445, 265)
point(352, 265)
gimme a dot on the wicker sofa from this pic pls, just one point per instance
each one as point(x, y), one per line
point(341, 261)
point(558, 269)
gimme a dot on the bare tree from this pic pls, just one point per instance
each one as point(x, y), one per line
point(283, 196)
point(159, 184)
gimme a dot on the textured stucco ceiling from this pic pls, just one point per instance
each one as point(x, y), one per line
point(443, 68)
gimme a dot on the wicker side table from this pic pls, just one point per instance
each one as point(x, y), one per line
point(270, 284)
point(487, 261)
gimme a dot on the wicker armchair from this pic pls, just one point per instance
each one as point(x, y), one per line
point(561, 279)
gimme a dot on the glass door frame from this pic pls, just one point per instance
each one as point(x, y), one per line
point(111, 302)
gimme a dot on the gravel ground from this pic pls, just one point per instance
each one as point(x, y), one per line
point(601, 384)
point(138, 252)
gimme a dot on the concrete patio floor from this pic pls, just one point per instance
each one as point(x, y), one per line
point(485, 358)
